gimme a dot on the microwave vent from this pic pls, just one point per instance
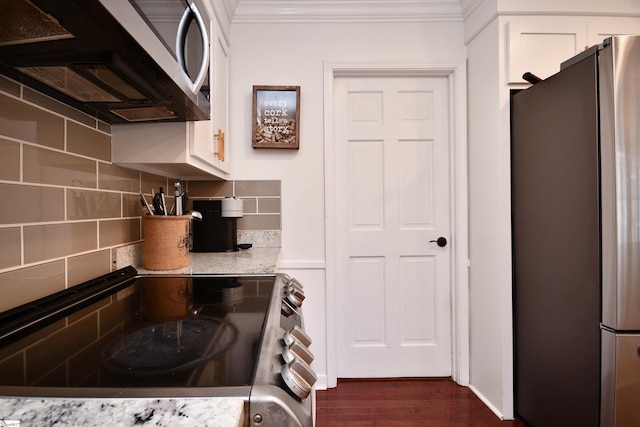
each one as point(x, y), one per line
point(69, 82)
point(142, 114)
point(22, 23)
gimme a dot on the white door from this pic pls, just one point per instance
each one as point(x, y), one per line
point(393, 200)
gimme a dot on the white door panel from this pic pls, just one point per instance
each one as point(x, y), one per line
point(368, 285)
point(366, 185)
point(417, 291)
point(392, 169)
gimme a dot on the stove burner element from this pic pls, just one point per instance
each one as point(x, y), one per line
point(168, 346)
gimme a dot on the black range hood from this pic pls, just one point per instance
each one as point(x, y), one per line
point(80, 53)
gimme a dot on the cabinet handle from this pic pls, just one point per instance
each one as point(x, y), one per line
point(220, 152)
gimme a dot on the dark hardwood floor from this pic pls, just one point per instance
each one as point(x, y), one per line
point(419, 402)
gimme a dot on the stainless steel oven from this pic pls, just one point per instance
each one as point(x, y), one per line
point(130, 336)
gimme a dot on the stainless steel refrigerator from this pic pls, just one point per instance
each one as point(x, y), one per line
point(575, 151)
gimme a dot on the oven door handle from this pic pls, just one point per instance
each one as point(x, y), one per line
point(190, 13)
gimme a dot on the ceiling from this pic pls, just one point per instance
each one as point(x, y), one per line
point(349, 10)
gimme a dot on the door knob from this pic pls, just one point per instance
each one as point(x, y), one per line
point(442, 242)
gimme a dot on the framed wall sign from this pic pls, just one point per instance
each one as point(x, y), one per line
point(276, 117)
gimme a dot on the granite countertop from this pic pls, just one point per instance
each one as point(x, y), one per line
point(209, 412)
point(248, 261)
point(262, 258)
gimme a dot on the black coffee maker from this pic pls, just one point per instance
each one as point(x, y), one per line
point(218, 230)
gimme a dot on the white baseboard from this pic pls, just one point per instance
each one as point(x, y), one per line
point(322, 383)
point(486, 402)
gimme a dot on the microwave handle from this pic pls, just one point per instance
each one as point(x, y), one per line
point(192, 12)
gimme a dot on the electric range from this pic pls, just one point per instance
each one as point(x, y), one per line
point(130, 336)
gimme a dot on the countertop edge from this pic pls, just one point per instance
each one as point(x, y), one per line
point(163, 412)
point(248, 261)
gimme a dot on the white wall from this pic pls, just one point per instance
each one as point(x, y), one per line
point(294, 54)
point(487, 224)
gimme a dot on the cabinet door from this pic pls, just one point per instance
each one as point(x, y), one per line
point(220, 101)
point(540, 46)
point(206, 142)
point(601, 28)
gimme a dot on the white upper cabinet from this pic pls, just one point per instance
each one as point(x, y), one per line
point(540, 44)
point(188, 150)
point(600, 29)
point(209, 137)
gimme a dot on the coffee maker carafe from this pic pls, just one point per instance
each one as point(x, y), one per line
point(218, 230)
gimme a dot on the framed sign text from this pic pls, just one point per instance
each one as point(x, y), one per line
point(276, 117)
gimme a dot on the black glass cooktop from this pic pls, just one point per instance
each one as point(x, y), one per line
point(186, 331)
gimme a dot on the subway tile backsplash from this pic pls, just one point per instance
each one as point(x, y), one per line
point(44, 166)
point(44, 242)
point(22, 285)
point(10, 249)
point(66, 208)
point(30, 203)
point(9, 160)
point(29, 123)
point(88, 142)
point(90, 204)
point(111, 177)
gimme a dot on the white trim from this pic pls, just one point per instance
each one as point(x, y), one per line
point(257, 11)
point(468, 6)
point(455, 71)
point(252, 11)
point(321, 384)
point(487, 402)
point(309, 264)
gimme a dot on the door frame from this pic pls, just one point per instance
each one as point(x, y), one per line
point(455, 72)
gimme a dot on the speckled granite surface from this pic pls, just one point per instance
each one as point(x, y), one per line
point(35, 412)
point(261, 238)
point(249, 261)
point(262, 258)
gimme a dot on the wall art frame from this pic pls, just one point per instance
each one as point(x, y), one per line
point(276, 117)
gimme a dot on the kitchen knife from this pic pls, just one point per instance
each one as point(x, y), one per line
point(163, 202)
point(178, 205)
point(143, 199)
point(157, 204)
point(185, 200)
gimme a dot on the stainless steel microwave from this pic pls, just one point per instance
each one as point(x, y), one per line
point(122, 61)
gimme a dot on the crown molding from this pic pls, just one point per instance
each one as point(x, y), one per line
point(468, 6)
point(252, 11)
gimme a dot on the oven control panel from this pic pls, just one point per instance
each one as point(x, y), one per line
point(293, 297)
point(284, 380)
point(296, 371)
